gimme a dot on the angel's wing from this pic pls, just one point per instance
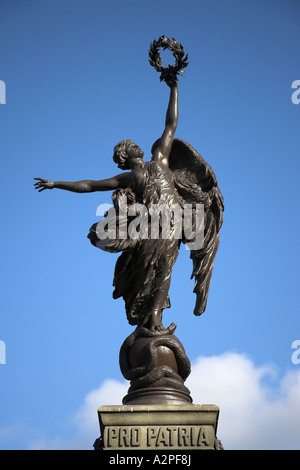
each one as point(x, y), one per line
point(196, 183)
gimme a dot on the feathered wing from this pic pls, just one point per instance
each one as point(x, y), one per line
point(196, 183)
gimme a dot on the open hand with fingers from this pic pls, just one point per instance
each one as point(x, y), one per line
point(43, 184)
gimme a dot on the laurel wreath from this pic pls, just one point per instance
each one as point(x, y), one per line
point(168, 74)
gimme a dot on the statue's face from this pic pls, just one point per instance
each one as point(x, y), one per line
point(134, 153)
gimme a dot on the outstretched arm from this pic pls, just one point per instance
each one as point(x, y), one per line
point(162, 152)
point(87, 186)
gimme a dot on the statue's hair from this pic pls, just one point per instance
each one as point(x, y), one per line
point(120, 153)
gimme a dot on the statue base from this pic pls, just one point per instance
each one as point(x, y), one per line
point(158, 427)
point(157, 396)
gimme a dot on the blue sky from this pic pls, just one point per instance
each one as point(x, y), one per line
point(77, 82)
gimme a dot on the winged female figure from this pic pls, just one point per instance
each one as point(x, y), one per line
point(175, 175)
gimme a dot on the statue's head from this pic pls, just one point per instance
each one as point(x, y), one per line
point(126, 153)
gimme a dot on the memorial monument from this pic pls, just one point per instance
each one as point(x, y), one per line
point(158, 205)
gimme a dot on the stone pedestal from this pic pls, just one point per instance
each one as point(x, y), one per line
point(158, 427)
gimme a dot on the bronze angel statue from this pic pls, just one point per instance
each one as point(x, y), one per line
point(176, 175)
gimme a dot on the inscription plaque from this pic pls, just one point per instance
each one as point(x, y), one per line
point(155, 437)
point(158, 427)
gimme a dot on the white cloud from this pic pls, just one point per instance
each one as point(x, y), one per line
point(85, 420)
point(258, 410)
point(253, 415)
point(110, 392)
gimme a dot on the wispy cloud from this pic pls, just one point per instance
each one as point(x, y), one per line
point(84, 421)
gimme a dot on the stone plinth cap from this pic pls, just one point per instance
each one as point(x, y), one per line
point(117, 415)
